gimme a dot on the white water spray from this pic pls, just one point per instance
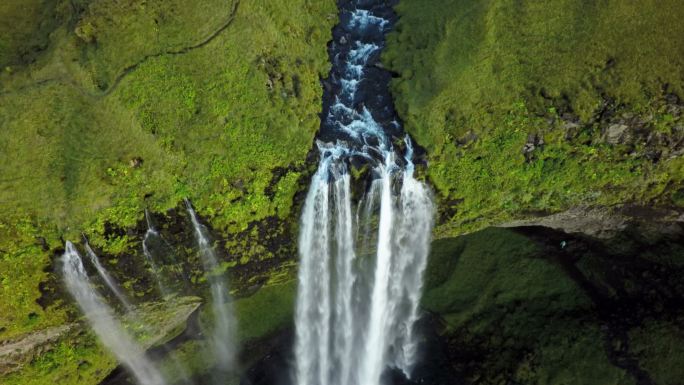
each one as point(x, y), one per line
point(103, 322)
point(108, 280)
point(356, 311)
point(149, 235)
point(223, 338)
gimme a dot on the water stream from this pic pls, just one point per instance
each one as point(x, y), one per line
point(104, 323)
point(223, 338)
point(357, 301)
point(109, 281)
point(151, 234)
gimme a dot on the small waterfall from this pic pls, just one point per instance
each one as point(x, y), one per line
point(103, 322)
point(109, 281)
point(358, 303)
point(150, 234)
point(223, 338)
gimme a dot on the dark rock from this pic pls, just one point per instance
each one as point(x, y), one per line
point(616, 134)
point(534, 142)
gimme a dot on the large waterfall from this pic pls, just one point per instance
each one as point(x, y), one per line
point(357, 305)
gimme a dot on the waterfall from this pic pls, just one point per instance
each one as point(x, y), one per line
point(150, 234)
point(103, 322)
point(357, 303)
point(223, 337)
point(109, 281)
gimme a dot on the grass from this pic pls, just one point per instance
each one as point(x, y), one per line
point(504, 69)
point(658, 345)
point(195, 117)
point(513, 315)
point(24, 28)
point(74, 360)
point(493, 268)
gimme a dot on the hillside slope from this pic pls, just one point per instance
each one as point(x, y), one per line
point(528, 108)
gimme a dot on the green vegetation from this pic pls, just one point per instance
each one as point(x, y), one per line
point(75, 360)
point(660, 346)
point(77, 357)
point(134, 105)
point(267, 311)
point(24, 29)
point(471, 275)
point(479, 79)
point(513, 315)
point(259, 317)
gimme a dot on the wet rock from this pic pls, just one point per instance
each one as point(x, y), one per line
point(616, 134)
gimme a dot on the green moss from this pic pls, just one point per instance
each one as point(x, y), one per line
point(261, 314)
point(501, 70)
point(192, 355)
point(78, 359)
point(574, 355)
point(492, 268)
point(514, 315)
point(24, 29)
point(194, 117)
point(19, 311)
point(268, 310)
point(660, 348)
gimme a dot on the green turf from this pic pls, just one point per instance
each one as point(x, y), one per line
point(504, 69)
point(213, 96)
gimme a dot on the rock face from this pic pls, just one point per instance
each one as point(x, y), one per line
point(15, 354)
point(616, 134)
point(24, 358)
point(606, 222)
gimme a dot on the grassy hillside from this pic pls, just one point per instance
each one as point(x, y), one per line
point(521, 104)
point(137, 104)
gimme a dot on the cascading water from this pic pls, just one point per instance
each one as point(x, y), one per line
point(150, 234)
point(103, 322)
point(109, 281)
point(356, 310)
point(223, 338)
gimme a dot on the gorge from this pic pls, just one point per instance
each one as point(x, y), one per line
point(364, 192)
point(355, 318)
